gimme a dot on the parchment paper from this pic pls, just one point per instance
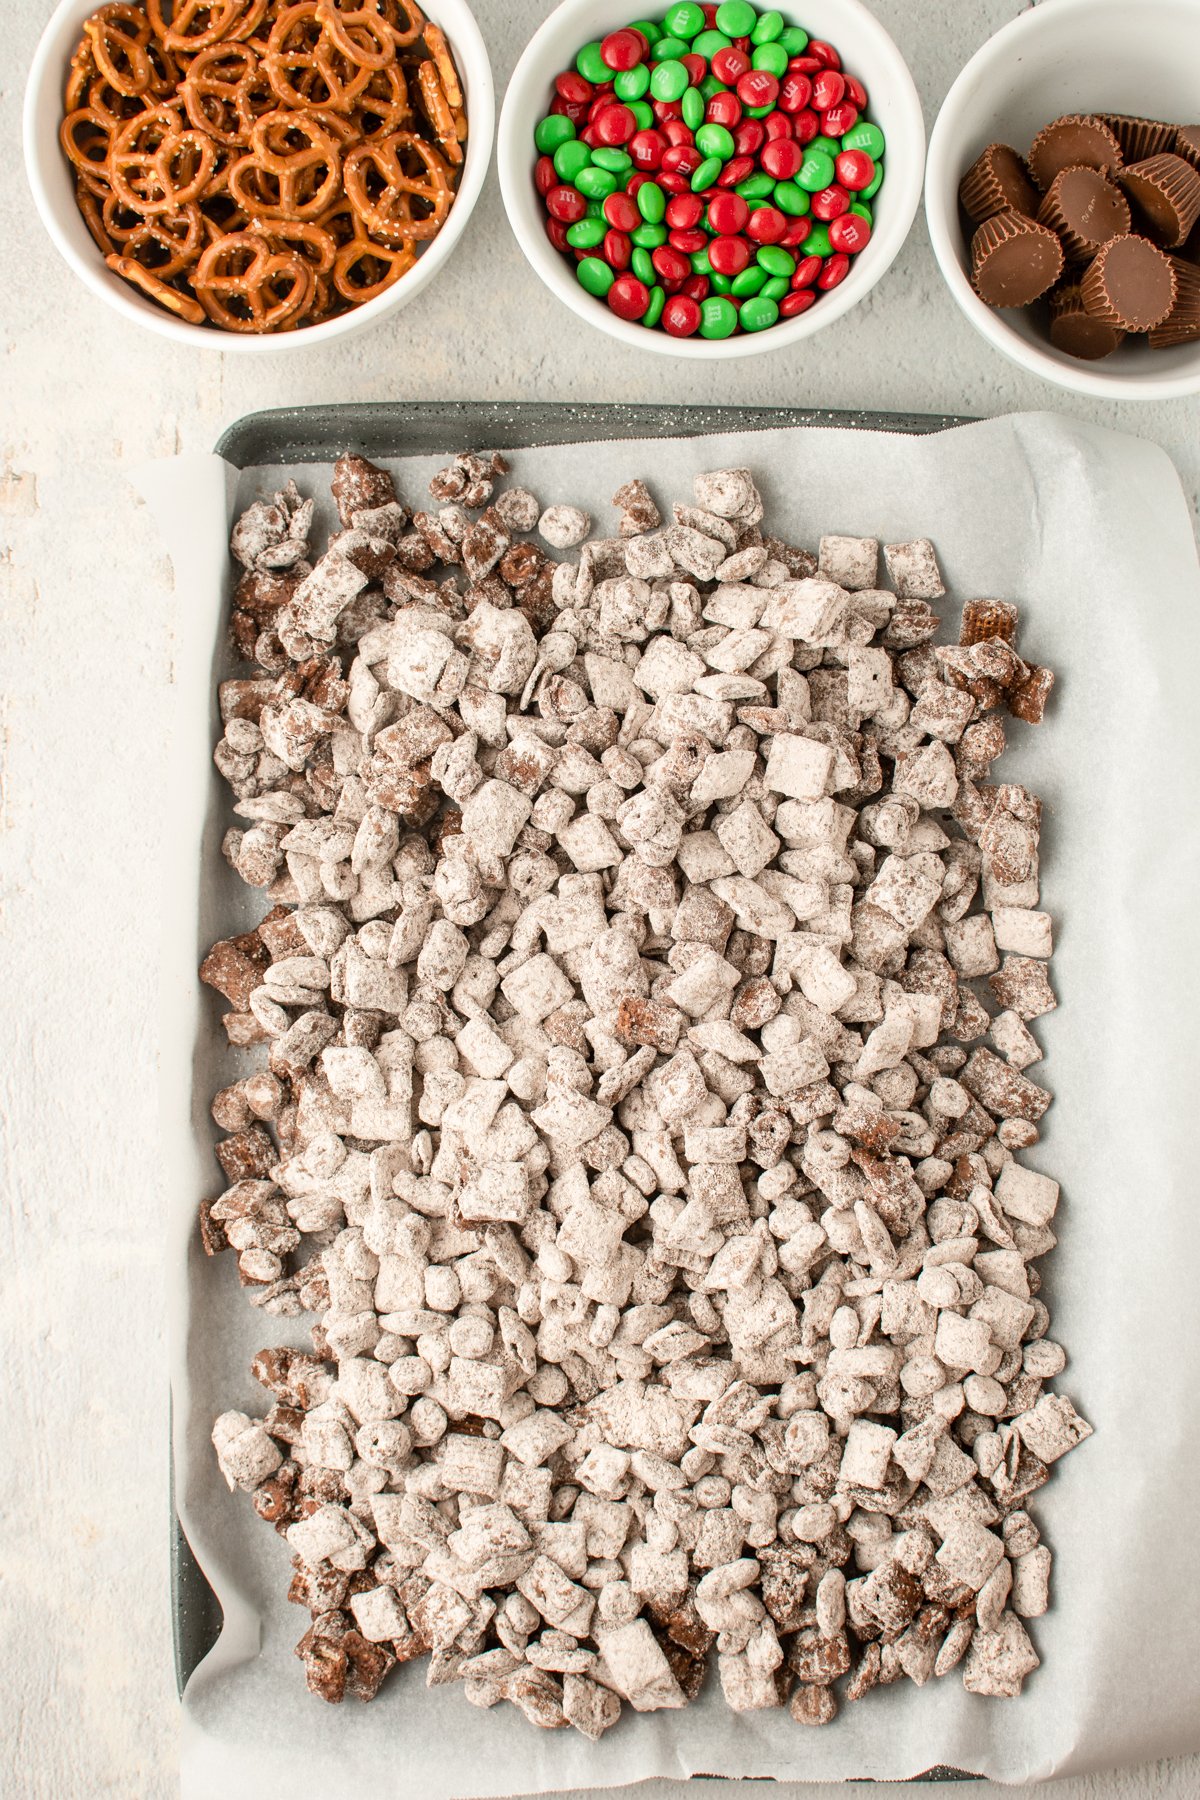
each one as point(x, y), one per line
point(1089, 532)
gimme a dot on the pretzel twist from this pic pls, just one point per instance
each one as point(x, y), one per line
point(174, 166)
point(216, 91)
point(393, 201)
point(300, 52)
point(360, 33)
point(281, 180)
point(191, 25)
point(243, 285)
point(118, 36)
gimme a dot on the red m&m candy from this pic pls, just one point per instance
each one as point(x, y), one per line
point(727, 214)
point(615, 124)
point(855, 170)
point(567, 204)
point(850, 234)
point(830, 203)
point(781, 158)
point(628, 297)
point(623, 49)
point(681, 315)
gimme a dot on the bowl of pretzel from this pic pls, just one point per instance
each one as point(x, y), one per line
point(254, 175)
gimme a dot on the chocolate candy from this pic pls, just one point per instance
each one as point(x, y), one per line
point(1139, 138)
point(1085, 208)
point(1130, 284)
point(1119, 192)
point(1073, 329)
point(1076, 141)
point(1182, 323)
point(998, 181)
point(1166, 192)
point(1014, 260)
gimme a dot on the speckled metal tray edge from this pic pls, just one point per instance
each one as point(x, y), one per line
point(388, 428)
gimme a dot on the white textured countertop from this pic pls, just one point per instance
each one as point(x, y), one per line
point(87, 617)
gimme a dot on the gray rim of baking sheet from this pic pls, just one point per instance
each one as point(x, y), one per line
point(390, 428)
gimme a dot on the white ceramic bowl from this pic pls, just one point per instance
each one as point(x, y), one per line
point(867, 51)
point(1065, 56)
point(53, 186)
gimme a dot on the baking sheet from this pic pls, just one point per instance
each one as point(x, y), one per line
point(1090, 533)
point(374, 428)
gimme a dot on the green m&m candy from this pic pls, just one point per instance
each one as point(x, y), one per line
point(648, 29)
point(596, 184)
point(709, 42)
point(776, 260)
point(863, 211)
point(669, 81)
point(757, 187)
point(591, 64)
point(552, 131)
point(873, 186)
point(720, 284)
point(771, 57)
point(816, 172)
point(718, 317)
point(791, 199)
point(594, 275)
point(654, 312)
point(643, 112)
point(865, 136)
point(757, 314)
point(829, 145)
point(768, 29)
point(648, 236)
point(706, 174)
point(617, 162)
point(685, 20)
point(631, 84)
point(651, 202)
point(794, 40)
point(750, 282)
point(670, 49)
point(776, 288)
point(570, 158)
point(715, 140)
point(642, 266)
point(818, 243)
point(692, 107)
point(587, 234)
point(737, 18)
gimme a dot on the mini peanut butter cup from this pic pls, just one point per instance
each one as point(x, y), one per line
point(1078, 140)
point(1139, 138)
point(1182, 323)
point(1187, 144)
point(998, 181)
point(1086, 209)
point(1073, 329)
point(1166, 192)
point(1014, 260)
point(1130, 284)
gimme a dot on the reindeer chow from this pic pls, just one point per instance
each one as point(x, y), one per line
point(645, 1011)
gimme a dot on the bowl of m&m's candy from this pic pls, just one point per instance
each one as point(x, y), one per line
point(711, 180)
